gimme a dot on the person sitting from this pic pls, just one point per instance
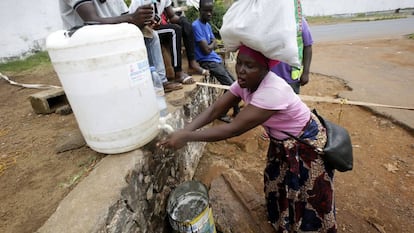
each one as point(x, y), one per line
point(171, 34)
point(298, 186)
point(204, 50)
point(80, 12)
point(173, 30)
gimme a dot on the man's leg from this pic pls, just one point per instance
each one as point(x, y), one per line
point(173, 33)
point(155, 59)
point(188, 37)
point(219, 72)
point(189, 43)
point(155, 55)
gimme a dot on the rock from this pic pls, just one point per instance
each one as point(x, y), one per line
point(64, 110)
point(247, 142)
point(236, 206)
point(391, 167)
point(69, 141)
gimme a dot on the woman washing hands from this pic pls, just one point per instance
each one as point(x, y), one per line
point(298, 186)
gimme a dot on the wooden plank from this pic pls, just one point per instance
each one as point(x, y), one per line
point(325, 99)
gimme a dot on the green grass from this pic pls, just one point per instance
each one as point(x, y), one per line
point(38, 59)
point(86, 166)
point(352, 18)
point(378, 17)
point(411, 36)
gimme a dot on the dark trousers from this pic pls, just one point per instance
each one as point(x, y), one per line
point(218, 71)
point(188, 37)
point(171, 34)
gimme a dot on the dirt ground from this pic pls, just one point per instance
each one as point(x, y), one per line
point(377, 196)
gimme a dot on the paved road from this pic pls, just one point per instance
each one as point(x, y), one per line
point(363, 30)
point(378, 71)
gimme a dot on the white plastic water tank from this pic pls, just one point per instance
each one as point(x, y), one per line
point(105, 74)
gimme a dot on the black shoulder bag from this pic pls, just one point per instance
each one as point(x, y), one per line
point(337, 153)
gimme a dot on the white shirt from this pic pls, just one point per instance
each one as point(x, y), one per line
point(161, 5)
point(70, 17)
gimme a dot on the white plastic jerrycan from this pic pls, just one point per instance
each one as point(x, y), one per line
point(105, 74)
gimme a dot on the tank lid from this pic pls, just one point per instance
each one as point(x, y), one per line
point(92, 34)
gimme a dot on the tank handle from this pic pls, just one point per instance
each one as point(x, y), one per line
point(70, 32)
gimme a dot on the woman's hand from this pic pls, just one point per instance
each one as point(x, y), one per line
point(175, 140)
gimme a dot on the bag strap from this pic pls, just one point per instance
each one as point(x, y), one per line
point(319, 150)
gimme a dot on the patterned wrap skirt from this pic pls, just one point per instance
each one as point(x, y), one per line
point(299, 188)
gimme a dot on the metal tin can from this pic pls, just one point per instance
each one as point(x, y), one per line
point(189, 210)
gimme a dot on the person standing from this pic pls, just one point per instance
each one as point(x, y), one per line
point(299, 188)
point(295, 77)
point(76, 13)
point(204, 49)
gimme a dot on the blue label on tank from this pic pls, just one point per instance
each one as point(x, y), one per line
point(138, 72)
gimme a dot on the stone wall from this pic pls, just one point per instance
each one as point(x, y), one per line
point(128, 192)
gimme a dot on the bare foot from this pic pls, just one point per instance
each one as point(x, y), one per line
point(193, 65)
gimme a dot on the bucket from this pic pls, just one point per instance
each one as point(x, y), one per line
point(189, 210)
point(105, 74)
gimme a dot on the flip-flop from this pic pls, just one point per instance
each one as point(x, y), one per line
point(225, 118)
point(172, 86)
point(186, 79)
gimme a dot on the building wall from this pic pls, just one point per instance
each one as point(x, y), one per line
point(25, 24)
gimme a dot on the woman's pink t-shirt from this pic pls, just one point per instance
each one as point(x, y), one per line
point(274, 93)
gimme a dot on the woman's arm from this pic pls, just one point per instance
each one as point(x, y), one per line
point(247, 119)
point(220, 106)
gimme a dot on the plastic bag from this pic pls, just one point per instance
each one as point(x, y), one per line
point(267, 26)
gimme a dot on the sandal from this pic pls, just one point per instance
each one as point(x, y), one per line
point(225, 118)
point(185, 79)
point(172, 86)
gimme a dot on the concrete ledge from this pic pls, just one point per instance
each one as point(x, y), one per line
point(128, 192)
point(86, 208)
point(48, 101)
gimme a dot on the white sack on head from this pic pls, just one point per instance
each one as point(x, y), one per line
point(267, 26)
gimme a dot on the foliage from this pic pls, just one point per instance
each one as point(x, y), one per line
point(353, 18)
point(191, 14)
point(39, 58)
point(217, 20)
point(127, 2)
